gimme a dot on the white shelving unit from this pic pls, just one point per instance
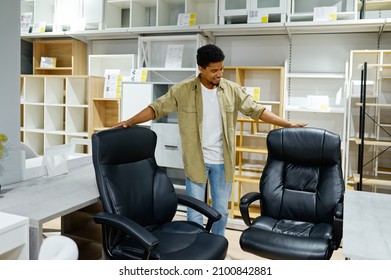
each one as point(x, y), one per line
point(318, 98)
point(98, 63)
point(55, 109)
point(233, 11)
point(267, 11)
point(251, 11)
point(153, 13)
point(152, 54)
point(303, 10)
point(65, 13)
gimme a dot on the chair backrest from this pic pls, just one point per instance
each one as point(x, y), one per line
point(129, 181)
point(302, 179)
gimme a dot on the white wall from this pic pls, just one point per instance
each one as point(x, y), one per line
point(10, 89)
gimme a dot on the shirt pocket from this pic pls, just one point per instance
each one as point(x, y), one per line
point(187, 117)
point(230, 117)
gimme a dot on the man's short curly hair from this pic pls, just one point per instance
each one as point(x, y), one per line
point(208, 54)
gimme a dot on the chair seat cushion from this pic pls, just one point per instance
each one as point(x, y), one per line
point(287, 239)
point(177, 240)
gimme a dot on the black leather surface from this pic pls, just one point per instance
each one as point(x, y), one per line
point(300, 188)
point(131, 185)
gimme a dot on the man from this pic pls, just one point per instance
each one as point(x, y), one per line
point(208, 107)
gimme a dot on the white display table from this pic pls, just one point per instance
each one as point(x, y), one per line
point(14, 237)
point(44, 199)
point(367, 226)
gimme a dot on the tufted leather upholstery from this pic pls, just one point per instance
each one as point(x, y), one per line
point(301, 195)
point(140, 202)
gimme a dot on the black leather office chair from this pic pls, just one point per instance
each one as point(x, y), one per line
point(301, 196)
point(140, 202)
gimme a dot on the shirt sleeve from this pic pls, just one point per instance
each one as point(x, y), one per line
point(165, 104)
point(248, 106)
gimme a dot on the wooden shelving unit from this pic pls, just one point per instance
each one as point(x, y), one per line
point(105, 113)
point(80, 226)
point(71, 57)
point(251, 150)
point(251, 153)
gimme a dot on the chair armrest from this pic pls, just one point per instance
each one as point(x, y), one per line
point(338, 211)
point(245, 203)
point(205, 209)
point(338, 225)
point(129, 227)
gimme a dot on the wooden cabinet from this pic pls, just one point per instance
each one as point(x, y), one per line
point(71, 57)
point(55, 108)
point(369, 122)
point(105, 113)
point(80, 226)
point(251, 150)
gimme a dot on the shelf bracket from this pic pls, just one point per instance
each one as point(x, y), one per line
point(381, 29)
point(288, 33)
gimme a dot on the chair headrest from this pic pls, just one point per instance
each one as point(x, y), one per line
point(306, 146)
point(124, 145)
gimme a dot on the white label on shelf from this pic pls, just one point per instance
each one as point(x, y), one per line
point(39, 27)
point(25, 21)
point(325, 13)
point(256, 16)
point(174, 56)
point(138, 75)
point(188, 19)
point(254, 92)
point(113, 81)
point(318, 102)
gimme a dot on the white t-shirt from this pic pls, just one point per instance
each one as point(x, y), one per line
point(212, 130)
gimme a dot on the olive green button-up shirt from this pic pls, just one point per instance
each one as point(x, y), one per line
point(186, 99)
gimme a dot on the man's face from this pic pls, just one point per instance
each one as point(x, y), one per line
point(212, 73)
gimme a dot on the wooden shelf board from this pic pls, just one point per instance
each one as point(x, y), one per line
point(254, 212)
point(247, 179)
point(248, 120)
point(372, 142)
point(53, 69)
point(251, 150)
point(106, 99)
point(375, 5)
point(373, 180)
point(374, 105)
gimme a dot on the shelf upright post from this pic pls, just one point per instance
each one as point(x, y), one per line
point(363, 93)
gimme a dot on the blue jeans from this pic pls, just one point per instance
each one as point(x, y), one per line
point(220, 192)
